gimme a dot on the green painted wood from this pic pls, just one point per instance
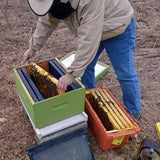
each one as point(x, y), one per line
point(24, 94)
point(59, 107)
point(52, 109)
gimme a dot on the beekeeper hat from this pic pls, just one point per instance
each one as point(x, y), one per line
point(40, 7)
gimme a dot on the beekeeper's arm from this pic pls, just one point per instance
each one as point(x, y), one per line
point(91, 18)
point(45, 26)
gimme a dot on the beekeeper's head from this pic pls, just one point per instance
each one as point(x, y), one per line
point(58, 9)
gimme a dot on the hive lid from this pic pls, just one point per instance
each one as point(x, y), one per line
point(74, 145)
point(100, 68)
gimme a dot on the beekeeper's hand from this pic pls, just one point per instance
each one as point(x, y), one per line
point(29, 55)
point(62, 85)
point(65, 80)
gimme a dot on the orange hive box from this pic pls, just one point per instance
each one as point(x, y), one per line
point(123, 125)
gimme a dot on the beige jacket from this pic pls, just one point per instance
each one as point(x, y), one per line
point(92, 21)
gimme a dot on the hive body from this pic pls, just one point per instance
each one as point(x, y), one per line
point(100, 99)
point(46, 111)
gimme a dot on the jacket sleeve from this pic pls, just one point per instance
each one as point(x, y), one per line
point(45, 26)
point(90, 17)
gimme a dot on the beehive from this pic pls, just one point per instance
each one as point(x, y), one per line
point(52, 109)
point(123, 125)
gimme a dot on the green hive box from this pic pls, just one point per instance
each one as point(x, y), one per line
point(50, 110)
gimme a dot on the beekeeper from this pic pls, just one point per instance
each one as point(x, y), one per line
point(98, 24)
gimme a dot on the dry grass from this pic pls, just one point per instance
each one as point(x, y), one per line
point(17, 23)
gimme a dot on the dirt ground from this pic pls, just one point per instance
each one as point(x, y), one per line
point(17, 24)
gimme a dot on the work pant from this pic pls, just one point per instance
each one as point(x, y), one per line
point(120, 52)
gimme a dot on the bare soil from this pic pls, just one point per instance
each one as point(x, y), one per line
point(17, 24)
